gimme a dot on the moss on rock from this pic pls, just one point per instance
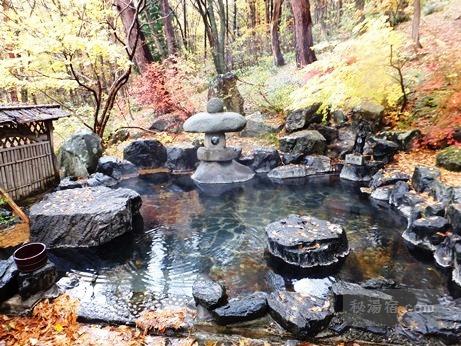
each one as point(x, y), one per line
point(450, 159)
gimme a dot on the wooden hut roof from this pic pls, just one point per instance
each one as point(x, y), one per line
point(28, 114)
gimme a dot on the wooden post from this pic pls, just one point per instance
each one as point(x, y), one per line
point(49, 125)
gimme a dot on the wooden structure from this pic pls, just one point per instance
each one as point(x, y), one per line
point(27, 161)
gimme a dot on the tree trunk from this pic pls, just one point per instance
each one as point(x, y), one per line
point(303, 32)
point(142, 55)
point(415, 24)
point(168, 27)
point(275, 35)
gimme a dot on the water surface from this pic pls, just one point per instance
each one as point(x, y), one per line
point(187, 231)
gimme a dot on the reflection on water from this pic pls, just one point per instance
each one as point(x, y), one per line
point(189, 231)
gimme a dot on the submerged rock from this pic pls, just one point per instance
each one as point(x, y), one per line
point(440, 321)
point(146, 153)
point(242, 309)
point(303, 316)
point(303, 142)
point(306, 241)
point(208, 293)
point(274, 281)
point(84, 217)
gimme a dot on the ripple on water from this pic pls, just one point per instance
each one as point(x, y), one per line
point(188, 232)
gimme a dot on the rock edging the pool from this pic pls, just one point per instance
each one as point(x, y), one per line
point(433, 211)
point(83, 217)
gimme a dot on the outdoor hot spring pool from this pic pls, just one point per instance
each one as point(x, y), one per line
point(187, 231)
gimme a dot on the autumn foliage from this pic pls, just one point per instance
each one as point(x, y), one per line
point(163, 87)
point(51, 323)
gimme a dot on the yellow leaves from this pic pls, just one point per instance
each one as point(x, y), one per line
point(354, 70)
point(58, 327)
point(42, 37)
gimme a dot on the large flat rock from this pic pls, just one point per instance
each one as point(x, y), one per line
point(306, 241)
point(83, 217)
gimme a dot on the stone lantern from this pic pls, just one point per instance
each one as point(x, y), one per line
point(217, 162)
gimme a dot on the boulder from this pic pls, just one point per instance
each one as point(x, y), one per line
point(338, 117)
point(290, 172)
point(441, 321)
point(359, 173)
point(242, 309)
point(84, 217)
point(182, 157)
point(382, 193)
point(208, 293)
point(435, 209)
point(265, 159)
point(79, 155)
point(306, 242)
point(403, 138)
point(291, 158)
point(146, 153)
point(368, 111)
point(454, 216)
point(450, 159)
point(424, 178)
point(115, 168)
point(259, 125)
point(301, 118)
point(427, 233)
point(99, 179)
point(8, 278)
point(71, 183)
point(384, 150)
point(318, 163)
point(303, 316)
point(383, 178)
point(456, 274)
point(445, 252)
point(330, 133)
point(166, 122)
point(304, 142)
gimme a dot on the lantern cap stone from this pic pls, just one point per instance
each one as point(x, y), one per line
point(215, 120)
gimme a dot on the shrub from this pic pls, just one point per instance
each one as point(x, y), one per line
point(164, 86)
